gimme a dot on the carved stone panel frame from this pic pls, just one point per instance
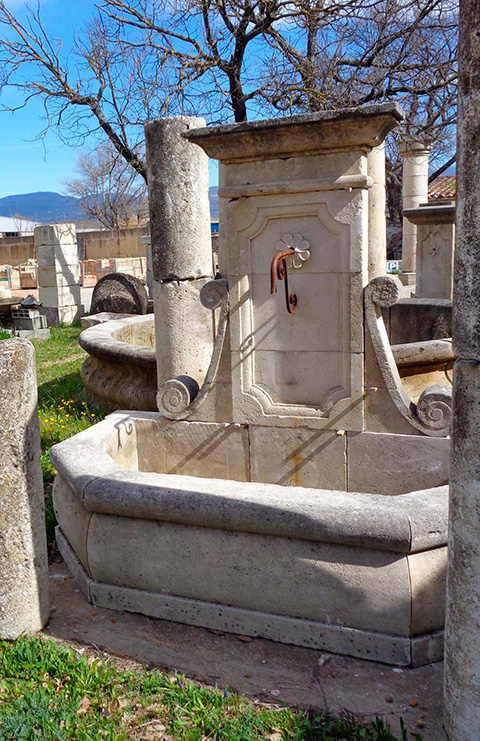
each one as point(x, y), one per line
point(303, 368)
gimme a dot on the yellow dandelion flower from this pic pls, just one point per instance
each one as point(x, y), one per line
point(92, 415)
point(67, 415)
point(46, 421)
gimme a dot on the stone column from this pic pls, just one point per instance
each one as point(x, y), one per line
point(181, 250)
point(377, 221)
point(24, 602)
point(58, 272)
point(462, 644)
point(415, 191)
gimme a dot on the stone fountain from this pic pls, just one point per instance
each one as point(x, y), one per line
point(289, 487)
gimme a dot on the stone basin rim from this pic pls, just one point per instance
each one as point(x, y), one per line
point(100, 341)
point(408, 523)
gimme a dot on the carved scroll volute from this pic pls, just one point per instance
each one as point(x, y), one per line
point(180, 397)
point(433, 413)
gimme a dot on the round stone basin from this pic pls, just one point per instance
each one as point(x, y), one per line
point(159, 517)
point(121, 370)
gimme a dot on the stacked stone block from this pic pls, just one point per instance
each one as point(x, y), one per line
point(58, 272)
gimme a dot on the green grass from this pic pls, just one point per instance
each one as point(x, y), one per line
point(49, 692)
point(62, 400)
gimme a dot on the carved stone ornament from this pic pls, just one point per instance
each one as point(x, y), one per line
point(433, 413)
point(299, 244)
point(179, 397)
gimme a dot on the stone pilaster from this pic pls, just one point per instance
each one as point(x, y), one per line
point(377, 223)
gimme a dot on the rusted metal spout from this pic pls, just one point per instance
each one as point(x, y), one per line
point(278, 269)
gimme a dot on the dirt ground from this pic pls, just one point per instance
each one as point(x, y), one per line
point(258, 668)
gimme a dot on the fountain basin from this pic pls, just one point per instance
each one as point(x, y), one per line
point(121, 370)
point(354, 573)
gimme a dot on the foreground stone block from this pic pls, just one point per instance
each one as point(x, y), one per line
point(298, 457)
point(59, 256)
point(53, 277)
point(24, 602)
point(193, 448)
point(395, 464)
point(60, 296)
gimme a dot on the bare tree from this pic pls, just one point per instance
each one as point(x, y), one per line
point(94, 90)
point(110, 190)
point(141, 59)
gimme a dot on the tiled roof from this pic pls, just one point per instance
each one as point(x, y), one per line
point(443, 188)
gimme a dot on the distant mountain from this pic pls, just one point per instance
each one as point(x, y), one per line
point(43, 207)
point(51, 208)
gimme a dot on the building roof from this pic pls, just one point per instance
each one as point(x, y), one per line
point(443, 188)
point(9, 224)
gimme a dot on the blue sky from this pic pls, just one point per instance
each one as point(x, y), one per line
point(29, 165)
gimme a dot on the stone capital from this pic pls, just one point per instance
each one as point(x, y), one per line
point(414, 147)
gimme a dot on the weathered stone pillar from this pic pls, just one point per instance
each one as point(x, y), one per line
point(415, 191)
point(181, 251)
point(462, 646)
point(58, 272)
point(24, 602)
point(435, 248)
point(377, 221)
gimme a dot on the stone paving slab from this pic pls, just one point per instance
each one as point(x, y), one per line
point(261, 669)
